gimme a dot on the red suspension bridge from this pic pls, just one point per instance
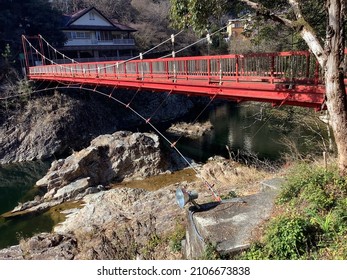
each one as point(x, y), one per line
point(292, 78)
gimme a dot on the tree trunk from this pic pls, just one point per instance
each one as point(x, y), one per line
point(334, 79)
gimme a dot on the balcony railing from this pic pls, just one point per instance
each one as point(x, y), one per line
point(92, 59)
point(91, 42)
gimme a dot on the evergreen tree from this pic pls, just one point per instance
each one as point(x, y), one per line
point(29, 17)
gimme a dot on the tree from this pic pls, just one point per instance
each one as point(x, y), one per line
point(118, 9)
point(29, 17)
point(297, 15)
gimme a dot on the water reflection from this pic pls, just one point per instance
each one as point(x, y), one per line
point(16, 182)
point(16, 185)
point(239, 127)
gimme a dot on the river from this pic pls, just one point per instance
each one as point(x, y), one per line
point(241, 128)
point(16, 185)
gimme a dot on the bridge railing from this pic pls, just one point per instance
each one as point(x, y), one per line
point(298, 67)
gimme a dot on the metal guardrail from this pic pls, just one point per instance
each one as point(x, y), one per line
point(299, 67)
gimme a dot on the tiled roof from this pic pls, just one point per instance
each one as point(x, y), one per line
point(69, 19)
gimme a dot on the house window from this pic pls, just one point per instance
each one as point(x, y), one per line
point(82, 35)
point(239, 24)
point(117, 36)
point(91, 16)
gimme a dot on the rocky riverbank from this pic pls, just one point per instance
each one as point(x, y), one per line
point(109, 158)
point(113, 221)
point(128, 223)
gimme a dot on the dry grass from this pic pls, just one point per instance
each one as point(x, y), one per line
point(231, 176)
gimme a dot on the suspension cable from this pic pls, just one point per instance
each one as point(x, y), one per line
point(56, 50)
point(196, 42)
point(199, 175)
point(103, 67)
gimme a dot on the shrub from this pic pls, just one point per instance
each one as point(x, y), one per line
point(316, 186)
point(318, 227)
point(285, 238)
point(289, 238)
point(297, 179)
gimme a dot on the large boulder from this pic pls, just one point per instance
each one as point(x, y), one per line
point(120, 224)
point(111, 157)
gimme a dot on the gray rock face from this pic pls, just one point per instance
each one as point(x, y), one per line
point(125, 223)
point(53, 125)
point(115, 224)
point(71, 190)
point(229, 225)
point(111, 157)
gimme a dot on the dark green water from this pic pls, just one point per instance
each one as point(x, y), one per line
point(12, 230)
point(239, 127)
point(16, 185)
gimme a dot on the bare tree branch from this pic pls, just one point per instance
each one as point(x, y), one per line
point(300, 25)
point(266, 13)
point(307, 33)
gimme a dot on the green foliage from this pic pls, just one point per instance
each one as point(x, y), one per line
point(24, 88)
point(286, 237)
point(325, 222)
point(289, 238)
point(317, 199)
point(319, 187)
point(297, 179)
point(210, 252)
point(153, 241)
point(255, 252)
point(231, 194)
point(7, 54)
point(199, 14)
point(6, 63)
point(175, 239)
point(267, 34)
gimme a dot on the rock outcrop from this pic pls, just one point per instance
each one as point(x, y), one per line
point(109, 157)
point(115, 224)
point(194, 130)
point(112, 157)
point(123, 221)
point(44, 246)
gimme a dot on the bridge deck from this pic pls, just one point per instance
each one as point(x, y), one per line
point(291, 78)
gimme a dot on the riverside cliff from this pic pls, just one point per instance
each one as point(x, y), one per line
point(61, 122)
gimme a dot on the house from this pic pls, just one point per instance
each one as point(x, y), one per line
point(235, 28)
point(93, 37)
